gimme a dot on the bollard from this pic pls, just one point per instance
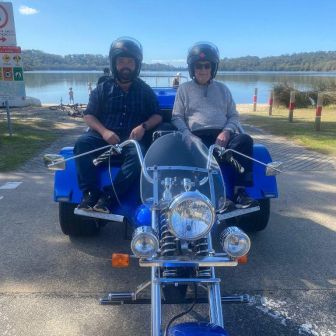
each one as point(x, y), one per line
point(9, 123)
point(291, 106)
point(255, 99)
point(318, 113)
point(270, 102)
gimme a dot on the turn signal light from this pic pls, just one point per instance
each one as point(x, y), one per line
point(242, 260)
point(120, 260)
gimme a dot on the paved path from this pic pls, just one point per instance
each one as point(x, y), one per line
point(50, 284)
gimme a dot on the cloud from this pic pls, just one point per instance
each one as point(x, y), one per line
point(25, 10)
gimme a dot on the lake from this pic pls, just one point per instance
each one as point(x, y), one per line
point(52, 86)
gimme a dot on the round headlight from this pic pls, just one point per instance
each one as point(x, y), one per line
point(191, 216)
point(235, 242)
point(145, 243)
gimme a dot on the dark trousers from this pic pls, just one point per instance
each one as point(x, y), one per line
point(87, 172)
point(242, 143)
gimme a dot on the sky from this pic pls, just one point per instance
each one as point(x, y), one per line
point(166, 29)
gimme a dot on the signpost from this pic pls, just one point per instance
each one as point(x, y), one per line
point(12, 87)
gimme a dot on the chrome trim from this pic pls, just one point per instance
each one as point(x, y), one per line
point(155, 304)
point(198, 169)
point(184, 262)
point(99, 215)
point(236, 213)
point(188, 280)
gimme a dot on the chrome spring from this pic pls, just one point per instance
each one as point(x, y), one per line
point(167, 241)
point(167, 245)
point(201, 249)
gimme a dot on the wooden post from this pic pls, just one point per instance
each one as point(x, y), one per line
point(255, 97)
point(318, 113)
point(291, 106)
point(270, 102)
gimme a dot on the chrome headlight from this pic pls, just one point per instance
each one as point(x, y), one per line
point(191, 216)
point(145, 243)
point(235, 242)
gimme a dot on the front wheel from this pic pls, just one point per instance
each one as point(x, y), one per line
point(74, 225)
point(256, 221)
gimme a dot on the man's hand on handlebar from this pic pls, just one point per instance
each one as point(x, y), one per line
point(223, 138)
point(110, 137)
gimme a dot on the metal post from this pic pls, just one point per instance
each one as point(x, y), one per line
point(270, 102)
point(291, 106)
point(255, 97)
point(9, 123)
point(318, 113)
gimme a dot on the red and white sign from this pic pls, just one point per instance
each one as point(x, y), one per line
point(7, 26)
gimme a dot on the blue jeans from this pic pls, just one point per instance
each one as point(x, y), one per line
point(87, 172)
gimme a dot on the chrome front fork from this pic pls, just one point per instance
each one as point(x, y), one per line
point(156, 303)
point(214, 295)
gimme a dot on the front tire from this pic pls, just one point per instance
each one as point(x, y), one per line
point(74, 225)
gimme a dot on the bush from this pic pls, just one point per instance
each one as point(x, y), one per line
point(303, 98)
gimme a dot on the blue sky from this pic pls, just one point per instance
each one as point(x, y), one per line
point(166, 29)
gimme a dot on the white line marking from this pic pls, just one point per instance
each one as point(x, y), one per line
point(10, 185)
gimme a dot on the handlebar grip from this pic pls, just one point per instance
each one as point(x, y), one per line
point(104, 156)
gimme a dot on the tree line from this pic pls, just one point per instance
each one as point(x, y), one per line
point(308, 61)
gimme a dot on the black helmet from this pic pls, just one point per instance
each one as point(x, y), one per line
point(125, 47)
point(203, 51)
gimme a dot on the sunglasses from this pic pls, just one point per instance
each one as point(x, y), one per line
point(200, 66)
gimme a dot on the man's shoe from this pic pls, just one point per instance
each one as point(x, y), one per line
point(88, 201)
point(227, 207)
point(104, 204)
point(243, 200)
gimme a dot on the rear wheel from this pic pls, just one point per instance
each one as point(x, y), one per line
point(74, 225)
point(256, 221)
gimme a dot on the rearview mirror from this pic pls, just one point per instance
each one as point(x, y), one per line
point(54, 161)
point(273, 168)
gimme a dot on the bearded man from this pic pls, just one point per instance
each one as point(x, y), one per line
point(120, 108)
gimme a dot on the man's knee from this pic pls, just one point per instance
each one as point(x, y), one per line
point(244, 140)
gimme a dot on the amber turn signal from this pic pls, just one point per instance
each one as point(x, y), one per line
point(120, 260)
point(242, 260)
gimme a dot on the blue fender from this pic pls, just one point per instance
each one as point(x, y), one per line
point(264, 186)
point(66, 185)
point(197, 329)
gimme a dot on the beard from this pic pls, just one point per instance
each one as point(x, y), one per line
point(126, 75)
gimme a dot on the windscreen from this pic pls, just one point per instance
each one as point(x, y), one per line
point(175, 164)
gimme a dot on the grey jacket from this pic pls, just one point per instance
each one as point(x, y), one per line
point(209, 106)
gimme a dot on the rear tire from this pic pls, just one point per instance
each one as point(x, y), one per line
point(74, 225)
point(256, 221)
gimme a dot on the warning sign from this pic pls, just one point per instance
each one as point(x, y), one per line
point(8, 74)
point(12, 86)
point(18, 74)
point(7, 27)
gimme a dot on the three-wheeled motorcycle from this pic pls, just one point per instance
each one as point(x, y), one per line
point(178, 224)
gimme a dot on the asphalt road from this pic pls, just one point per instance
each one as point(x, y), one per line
point(50, 284)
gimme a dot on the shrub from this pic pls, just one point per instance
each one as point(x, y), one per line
point(303, 98)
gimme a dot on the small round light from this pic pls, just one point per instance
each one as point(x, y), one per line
point(145, 243)
point(235, 242)
point(191, 216)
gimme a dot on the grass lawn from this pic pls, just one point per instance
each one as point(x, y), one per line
point(29, 137)
point(301, 130)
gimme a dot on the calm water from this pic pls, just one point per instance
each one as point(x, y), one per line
point(51, 86)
